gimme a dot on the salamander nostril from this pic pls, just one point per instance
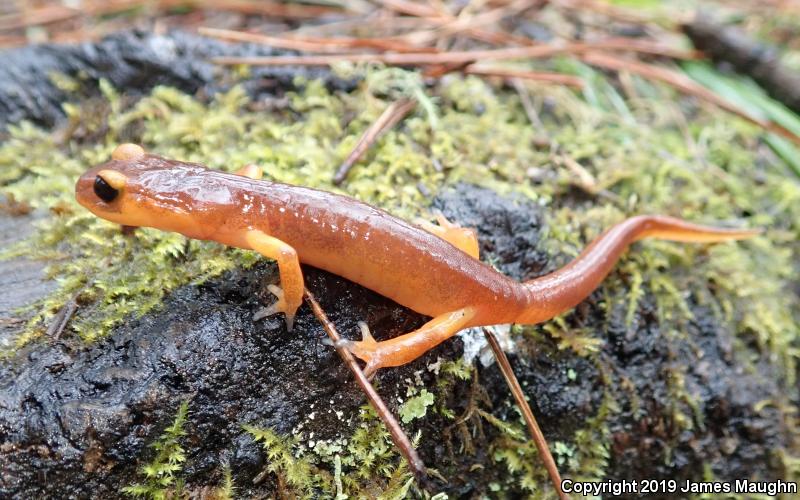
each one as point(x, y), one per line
point(103, 190)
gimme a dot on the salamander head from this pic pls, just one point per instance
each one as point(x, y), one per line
point(138, 189)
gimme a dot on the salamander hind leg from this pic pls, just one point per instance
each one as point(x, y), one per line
point(463, 238)
point(406, 348)
point(290, 293)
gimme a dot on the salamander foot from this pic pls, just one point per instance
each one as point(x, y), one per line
point(367, 349)
point(280, 306)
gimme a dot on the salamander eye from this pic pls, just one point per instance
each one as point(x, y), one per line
point(103, 190)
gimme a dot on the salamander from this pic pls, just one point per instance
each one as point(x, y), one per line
point(432, 269)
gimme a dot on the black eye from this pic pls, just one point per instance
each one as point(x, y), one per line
point(103, 190)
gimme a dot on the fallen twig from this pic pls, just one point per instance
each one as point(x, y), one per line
point(388, 119)
point(415, 9)
point(38, 16)
point(12, 41)
point(527, 103)
point(398, 436)
point(313, 44)
point(645, 47)
point(289, 10)
point(527, 414)
point(62, 317)
point(423, 58)
point(451, 24)
point(539, 76)
point(604, 8)
point(439, 70)
point(685, 85)
point(473, 25)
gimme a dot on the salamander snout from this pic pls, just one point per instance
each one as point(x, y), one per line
point(101, 189)
point(134, 188)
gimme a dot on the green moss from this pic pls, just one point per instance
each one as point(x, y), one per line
point(711, 170)
point(160, 475)
point(577, 339)
point(365, 464)
point(456, 369)
point(416, 406)
point(227, 490)
point(296, 473)
point(593, 445)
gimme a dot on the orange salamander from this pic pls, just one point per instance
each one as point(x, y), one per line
point(431, 269)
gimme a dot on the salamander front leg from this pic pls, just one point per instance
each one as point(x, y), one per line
point(406, 348)
point(290, 293)
point(463, 238)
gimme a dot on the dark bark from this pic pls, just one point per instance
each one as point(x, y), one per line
point(133, 62)
point(749, 57)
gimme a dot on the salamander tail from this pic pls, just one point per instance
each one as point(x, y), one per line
point(672, 229)
point(554, 293)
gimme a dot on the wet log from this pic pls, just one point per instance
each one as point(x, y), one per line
point(133, 62)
